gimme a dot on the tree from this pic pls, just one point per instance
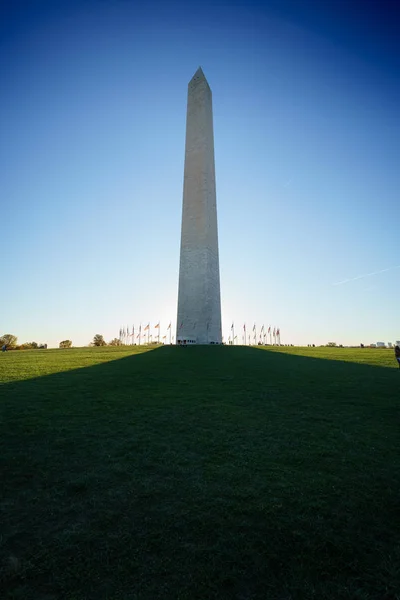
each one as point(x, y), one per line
point(9, 340)
point(98, 340)
point(115, 342)
point(66, 344)
point(29, 346)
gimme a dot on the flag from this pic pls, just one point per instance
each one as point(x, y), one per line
point(274, 333)
point(269, 329)
point(133, 330)
point(127, 331)
point(278, 331)
point(158, 325)
point(138, 335)
point(254, 327)
point(262, 329)
point(147, 327)
point(232, 325)
point(244, 327)
point(169, 326)
point(163, 337)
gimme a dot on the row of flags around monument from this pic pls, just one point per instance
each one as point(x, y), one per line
point(264, 333)
point(127, 336)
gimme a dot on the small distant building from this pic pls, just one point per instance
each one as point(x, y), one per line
point(389, 345)
point(380, 345)
point(372, 345)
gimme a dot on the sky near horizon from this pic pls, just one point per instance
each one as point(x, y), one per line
point(306, 103)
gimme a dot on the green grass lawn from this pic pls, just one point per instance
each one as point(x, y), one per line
point(199, 473)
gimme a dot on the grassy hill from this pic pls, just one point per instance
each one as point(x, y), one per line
point(201, 472)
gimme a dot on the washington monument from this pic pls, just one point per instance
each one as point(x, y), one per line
point(199, 298)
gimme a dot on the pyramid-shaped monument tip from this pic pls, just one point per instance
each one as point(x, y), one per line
point(199, 75)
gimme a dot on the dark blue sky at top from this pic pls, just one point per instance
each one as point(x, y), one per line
point(306, 98)
point(367, 28)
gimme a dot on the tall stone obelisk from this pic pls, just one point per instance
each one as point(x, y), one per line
point(199, 298)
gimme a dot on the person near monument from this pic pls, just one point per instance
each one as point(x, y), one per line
point(397, 354)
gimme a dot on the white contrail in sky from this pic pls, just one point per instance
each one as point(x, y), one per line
point(366, 275)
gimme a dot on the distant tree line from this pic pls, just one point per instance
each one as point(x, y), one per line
point(98, 340)
point(9, 341)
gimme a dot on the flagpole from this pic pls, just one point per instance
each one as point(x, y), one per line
point(170, 328)
point(158, 331)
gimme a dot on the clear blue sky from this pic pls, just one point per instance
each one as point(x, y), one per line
point(307, 144)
